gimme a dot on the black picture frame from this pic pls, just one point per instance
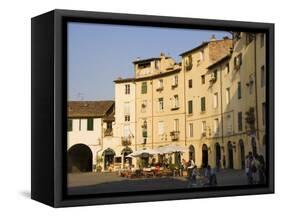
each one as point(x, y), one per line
point(49, 103)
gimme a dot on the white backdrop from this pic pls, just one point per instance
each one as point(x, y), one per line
point(15, 106)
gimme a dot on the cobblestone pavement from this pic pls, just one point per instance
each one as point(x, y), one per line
point(85, 183)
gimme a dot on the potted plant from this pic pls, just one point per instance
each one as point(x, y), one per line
point(99, 162)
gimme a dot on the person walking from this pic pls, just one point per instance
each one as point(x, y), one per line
point(255, 170)
point(248, 168)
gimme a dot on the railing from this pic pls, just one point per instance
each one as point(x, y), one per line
point(108, 132)
point(175, 135)
point(160, 89)
point(126, 141)
point(175, 108)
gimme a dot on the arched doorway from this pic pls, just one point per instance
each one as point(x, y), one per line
point(230, 155)
point(125, 152)
point(242, 153)
point(79, 158)
point(205, 157)
point(108, 158)
point(191, 153)
point(218, 155)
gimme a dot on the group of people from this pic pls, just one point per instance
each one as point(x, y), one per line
point(209, 174)
point(255, 169)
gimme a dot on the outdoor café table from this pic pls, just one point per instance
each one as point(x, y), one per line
point(148, 172)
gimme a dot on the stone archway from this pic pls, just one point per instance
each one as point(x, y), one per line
point(242, 153)
point(205, 156)
point(125, 152)
point(191, 153)
point(230, 155)
point(108, 158)
point(79, 158)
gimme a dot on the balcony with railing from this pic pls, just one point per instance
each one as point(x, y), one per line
point(175, 135)
point(108, 132)
point(126, 141)
point(161, 88)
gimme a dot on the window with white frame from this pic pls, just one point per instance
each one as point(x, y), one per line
point(127, 118)
point(190, 131)
point(127, 111)
point(204, 126)
point(216, 126)
point(215, 100)
point(126, 131)
point(175, 101)
point(176, 124)
point(175, 80)
point(161, 129)
point(160, 84)
point(229, 124)
point(227, 95)
point(127, 89)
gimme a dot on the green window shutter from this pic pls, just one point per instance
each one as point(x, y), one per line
point(69, 125)
point(190, 107)
point(203, 104)
point(144, 133)
point(240, 121)
point(144, 88)
point(90, 124)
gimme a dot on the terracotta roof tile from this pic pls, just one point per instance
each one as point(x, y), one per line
point(90, 108)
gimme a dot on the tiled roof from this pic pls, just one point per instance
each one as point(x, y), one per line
point(227, 56)
point(91, 108)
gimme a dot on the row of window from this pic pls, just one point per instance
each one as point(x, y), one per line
point(161, 128)
point(160, 87)
point(175, 102)
point(90, 124)
point(216, 127)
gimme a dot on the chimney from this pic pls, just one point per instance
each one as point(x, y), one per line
point(162, 55)
point(213, 38)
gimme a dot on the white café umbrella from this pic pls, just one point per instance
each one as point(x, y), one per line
point(171, 148)
point(139, 153)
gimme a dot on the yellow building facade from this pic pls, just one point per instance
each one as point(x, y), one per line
point(212, 102)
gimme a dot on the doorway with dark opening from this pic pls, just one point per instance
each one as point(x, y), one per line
point(79, 159)
point(205, 157)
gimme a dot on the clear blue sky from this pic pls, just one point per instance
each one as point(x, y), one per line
point(99, 53)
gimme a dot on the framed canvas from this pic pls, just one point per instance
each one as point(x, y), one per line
point(134, 108)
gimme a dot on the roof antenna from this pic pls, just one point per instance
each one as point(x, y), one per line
point(80, 96)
